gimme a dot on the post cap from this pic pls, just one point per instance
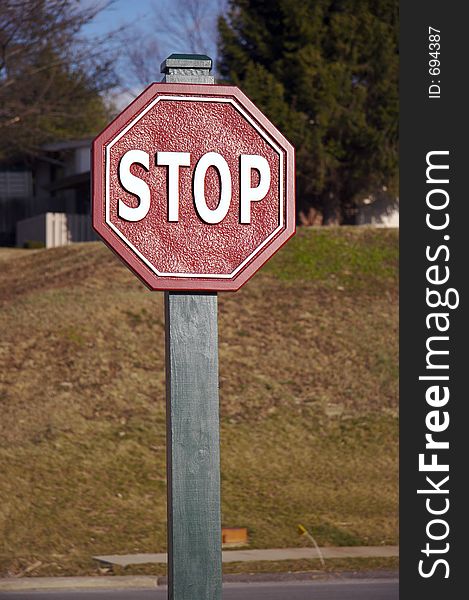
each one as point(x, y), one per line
point(186, 61)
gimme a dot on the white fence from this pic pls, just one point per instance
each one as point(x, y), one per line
point(54, 229)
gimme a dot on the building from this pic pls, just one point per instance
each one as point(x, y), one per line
point(47, 203)
point(379, 210)
point(16, 200)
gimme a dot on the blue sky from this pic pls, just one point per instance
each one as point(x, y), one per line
point(142, 16)
point(121, 12)
point(140, 19)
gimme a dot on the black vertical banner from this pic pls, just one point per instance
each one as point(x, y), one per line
point(434, 200)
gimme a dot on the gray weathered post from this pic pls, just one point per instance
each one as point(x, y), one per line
point(193, 443)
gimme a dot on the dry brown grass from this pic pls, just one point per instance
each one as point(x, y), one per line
point(308, 375)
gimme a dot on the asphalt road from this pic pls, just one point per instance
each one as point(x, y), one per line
point(370, 589)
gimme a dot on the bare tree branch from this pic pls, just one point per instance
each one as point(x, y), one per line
point(51, 75)
point(178, 26)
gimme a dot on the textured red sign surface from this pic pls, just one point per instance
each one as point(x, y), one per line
point(193, 187)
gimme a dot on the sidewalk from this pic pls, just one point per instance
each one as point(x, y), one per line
point(32, 584)
point(123, 560)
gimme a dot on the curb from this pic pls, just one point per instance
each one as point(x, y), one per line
point(301, 576)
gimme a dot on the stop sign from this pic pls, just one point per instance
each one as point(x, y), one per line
point(193, 187)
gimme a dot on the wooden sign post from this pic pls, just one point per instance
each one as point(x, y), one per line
point(193, 188)
point(192, 414)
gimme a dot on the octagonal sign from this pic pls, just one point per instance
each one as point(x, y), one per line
point(193, 187)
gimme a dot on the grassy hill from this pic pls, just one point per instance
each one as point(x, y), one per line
point(308, 391)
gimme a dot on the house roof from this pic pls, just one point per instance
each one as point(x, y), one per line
point(67, 145)
point(69, 182)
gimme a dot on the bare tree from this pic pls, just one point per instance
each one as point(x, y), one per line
point(51, 76)
point(178, 26)
point(191, 23)
point(142, 61)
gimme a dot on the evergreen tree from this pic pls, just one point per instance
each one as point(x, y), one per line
point(326, 73)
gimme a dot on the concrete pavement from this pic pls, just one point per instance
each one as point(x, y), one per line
point(124, 560)
point(30, 584)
